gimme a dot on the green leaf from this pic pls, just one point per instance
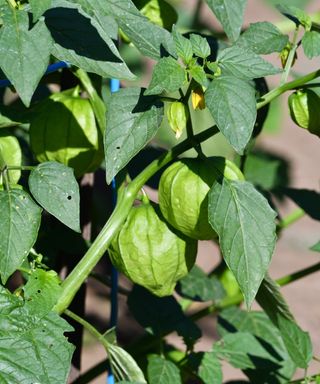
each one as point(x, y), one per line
point(41, 292)
point(199, 287)
point(232, 104)
point(5, 122)
point(246, 227)
point(33, 349)
point(123, 365)
point(241, 349)
point(311, 44)
point(168, 76)
point(97, 10)
point(11, 154)
point(233, 319)
point(200, 46)
point(230, 14)
point(243, 63)
point(55, 188)
point(183, 46)
point(24, 52)
point(199, 74)
point(272, 301)
point(161, 315)
point(263, 38)
point(266, 170)
point(39, 7)
point(210, 371)
point(161, 371)
point(296, 14)
point(158, 12)
point(316, 247)
point(150, 39)
point(19, 225)
point(297, 341)
point(81, 41)
point(132, 120)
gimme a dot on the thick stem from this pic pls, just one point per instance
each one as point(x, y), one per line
point(267, 98)
point(82, 270)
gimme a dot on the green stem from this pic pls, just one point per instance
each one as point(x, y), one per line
point(20, 167)
point(291, 218)
point(6, 181)
point(170, 99)
point(82, 270)
point(298, 275)
point(268, 97)
point(303, 380)
point(291, 56)
point(84, 323)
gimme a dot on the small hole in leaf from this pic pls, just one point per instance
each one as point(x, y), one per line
point(118, 147)
point(69, 197)
point(39, 290)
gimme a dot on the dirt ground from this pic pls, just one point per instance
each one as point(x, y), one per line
point(291, 254)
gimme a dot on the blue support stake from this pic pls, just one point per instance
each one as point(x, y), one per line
point(52, 68)
point(114, 87)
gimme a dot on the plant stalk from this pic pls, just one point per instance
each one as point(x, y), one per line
point(273, 94)
point(291, 218)
point(291, 57)
point(298, 275)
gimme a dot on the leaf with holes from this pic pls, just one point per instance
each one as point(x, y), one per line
point(132, 121)
point(55, 188)
point(161, 371)
point(19, 225)
point(232, 103)
point(230, 14)
point(33, 348)
point(41, 292)
point(246, 227)
point(24, 52)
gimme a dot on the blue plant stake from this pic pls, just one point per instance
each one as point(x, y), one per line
point(52, 68)
point(114, 87)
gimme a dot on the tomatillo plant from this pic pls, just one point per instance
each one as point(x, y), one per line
point(60, 128)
